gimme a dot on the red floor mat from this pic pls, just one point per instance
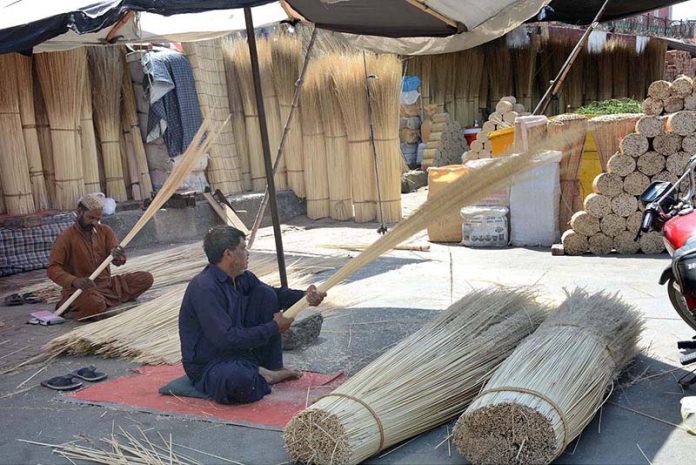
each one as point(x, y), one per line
point(140, 391)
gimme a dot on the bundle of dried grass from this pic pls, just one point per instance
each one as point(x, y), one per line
point(461, 87)
point(270, 100)
point(237, 57)
point(548, 390)
point(25, 87)
point(654, 60)
point(148, 333)
point(571, 199)
point(107, 80)
point(477, 98)
point(590, 65)
point(636, 74)
point(336, 140)
point(352, 97)
point(605, 72)
point(422, 382)
point(237, 118)
point(620, 52)
point(88, 141)
point(287, 61)
point(14, 169)
point(608, 131)
point(211, 86)
point(385, 92)
point(524, 69)
point(425, 67)
point(131, 128)
point(315, 157)
point(129, 162)
point(43, 131)
point(443, 81)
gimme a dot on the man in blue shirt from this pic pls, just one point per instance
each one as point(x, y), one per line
point(230, 324)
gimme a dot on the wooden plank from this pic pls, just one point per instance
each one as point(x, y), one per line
point(226, 214)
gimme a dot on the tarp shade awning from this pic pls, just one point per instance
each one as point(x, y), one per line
point(575, 12)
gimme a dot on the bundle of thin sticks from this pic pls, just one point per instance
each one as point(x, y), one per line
point(422, 382)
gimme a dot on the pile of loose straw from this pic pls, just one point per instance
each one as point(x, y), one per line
point(548, 390)
point(425, 380)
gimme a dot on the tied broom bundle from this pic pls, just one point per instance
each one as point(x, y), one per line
point(270, 100)
point(571, 199)
point(88, 141)
point(385, 91)
point(25, 87)
point(548, 390)
point(287, 61)
point(43, 130)
point(14, 169)
point(422, 382)
point(349, 79)
point(199, 145)
point(131, 127)
point(209, 74)
point(477, 184)
point(237, 119)
point(237, 53)
point(107, 77)
point(315, 159)
point(336, 139)
point(129, 163)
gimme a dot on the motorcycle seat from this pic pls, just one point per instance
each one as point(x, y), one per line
point(686, 249)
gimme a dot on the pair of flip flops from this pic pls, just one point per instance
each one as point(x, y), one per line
point(17, 299)
point(70, 382)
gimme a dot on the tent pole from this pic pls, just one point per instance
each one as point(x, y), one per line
point(254, 57)
point(281, 147)
point(557, 83)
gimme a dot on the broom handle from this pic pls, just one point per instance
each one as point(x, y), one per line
point(183, 169)
point(281, 147)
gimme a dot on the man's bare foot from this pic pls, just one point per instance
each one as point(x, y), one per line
point(278, 376)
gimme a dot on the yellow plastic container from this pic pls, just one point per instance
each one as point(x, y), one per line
point(501, 141)
point(447, 228)
point(590, 166)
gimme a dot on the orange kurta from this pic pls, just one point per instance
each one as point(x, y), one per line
point(76, 254)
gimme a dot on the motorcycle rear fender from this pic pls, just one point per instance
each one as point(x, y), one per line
point(667, 274)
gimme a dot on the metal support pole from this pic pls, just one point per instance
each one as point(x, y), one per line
point(268, 164)
point(557, 83)
point(286, 130)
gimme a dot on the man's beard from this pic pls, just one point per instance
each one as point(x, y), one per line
point(86, 227)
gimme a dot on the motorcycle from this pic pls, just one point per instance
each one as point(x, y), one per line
point(669, 209)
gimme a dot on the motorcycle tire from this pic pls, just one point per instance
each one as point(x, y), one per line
point(679, 304)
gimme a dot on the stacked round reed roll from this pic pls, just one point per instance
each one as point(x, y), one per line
point(542, 396)
point(444, 141)
point(658, 150)
point(506, 110)
point(422, 382)
point(666, 97)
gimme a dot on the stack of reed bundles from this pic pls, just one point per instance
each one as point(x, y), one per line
point(131, 130)
point(88, 141)
point(507, 110)
point(237, 118)
point(666, 97)
point(352, 96)
point(107, 77)
point(43, 131)
point(25, 87)
point(315, 159)
point(237, 55)
point(206, 58)
point(287, 61)
point(271, 106)
point(61, 75)
point(385, 92)
point(14, 168)
point(336, 139)
point(422, 382)
point(542, 396)
point(658, 150)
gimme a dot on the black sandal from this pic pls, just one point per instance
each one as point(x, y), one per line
point(61, 383)
point(90, 374)
point(13, 300)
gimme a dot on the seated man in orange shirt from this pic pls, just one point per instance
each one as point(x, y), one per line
point(79, 250)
